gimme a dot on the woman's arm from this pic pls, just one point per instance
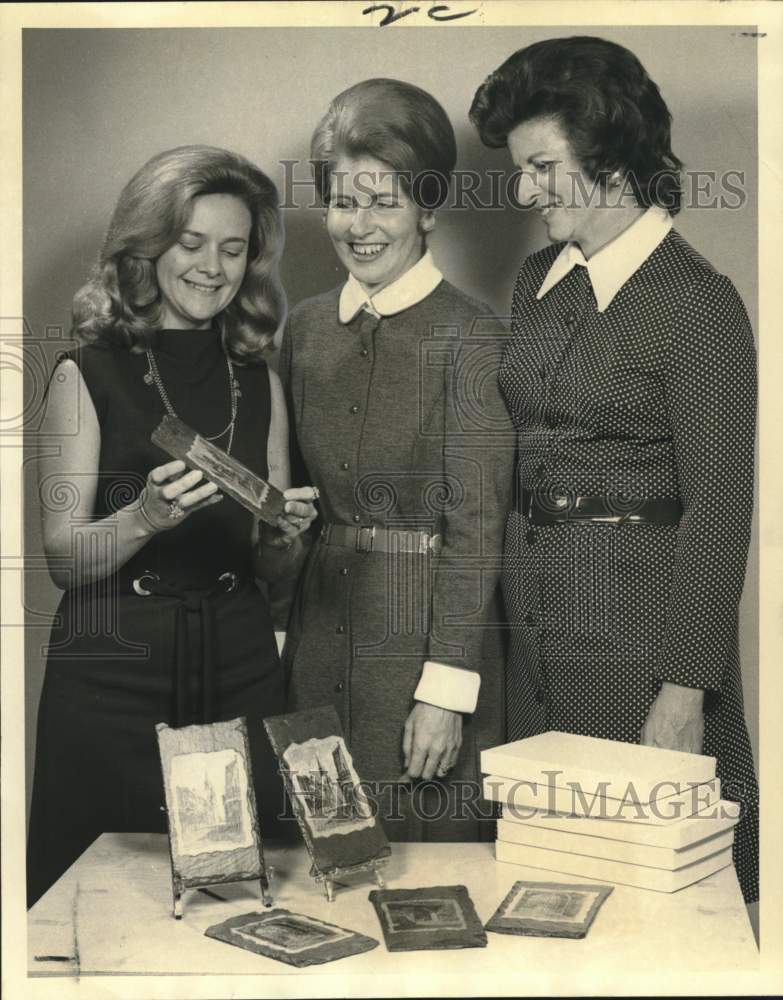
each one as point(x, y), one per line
point(79, 550)
point(478, 462)
point(277, 457)
point(710, 384)
point(279, 552)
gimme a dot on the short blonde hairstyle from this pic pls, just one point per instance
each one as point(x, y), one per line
point(396, 123)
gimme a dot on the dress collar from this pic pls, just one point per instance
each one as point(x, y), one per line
point(188, 346)
point(614, 264)
point(409, 289)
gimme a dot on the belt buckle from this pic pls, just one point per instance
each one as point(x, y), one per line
point(365, 539)
point(138, 586)
point(232, 580)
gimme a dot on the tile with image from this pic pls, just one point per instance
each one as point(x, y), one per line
point(433, 917)
point(549, 909)
point(293, 938)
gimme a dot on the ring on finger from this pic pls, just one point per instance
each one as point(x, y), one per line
point(175, 511)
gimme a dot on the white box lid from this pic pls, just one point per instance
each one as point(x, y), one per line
point(597, 766)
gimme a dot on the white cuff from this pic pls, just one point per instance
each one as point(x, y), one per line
point(448, 687)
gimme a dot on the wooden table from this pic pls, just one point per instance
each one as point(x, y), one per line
point(111, 913)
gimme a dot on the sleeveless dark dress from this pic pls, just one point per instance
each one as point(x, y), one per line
point(118, 662)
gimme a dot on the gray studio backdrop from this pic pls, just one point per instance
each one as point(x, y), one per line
point(98, 103)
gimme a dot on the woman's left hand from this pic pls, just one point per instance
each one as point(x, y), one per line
point(299, 513)
point(431, 741)
point(675, 720)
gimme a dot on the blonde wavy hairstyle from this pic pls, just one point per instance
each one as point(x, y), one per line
point(121, 302)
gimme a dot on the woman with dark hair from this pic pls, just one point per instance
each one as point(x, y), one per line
point(630, 376)
point(393, 394)
point(161, 620)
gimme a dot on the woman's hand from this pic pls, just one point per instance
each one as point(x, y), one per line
point(299, 514)
point(431, 741)
point(172, 494)
point(675, 720)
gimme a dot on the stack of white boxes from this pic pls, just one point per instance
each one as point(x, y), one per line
point(618, 812)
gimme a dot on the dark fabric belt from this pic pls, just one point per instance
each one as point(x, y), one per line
point(372, 539)
point(191, 601)
point(548, 508)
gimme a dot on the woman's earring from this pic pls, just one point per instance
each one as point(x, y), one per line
point(426, 222)
point(614, 180)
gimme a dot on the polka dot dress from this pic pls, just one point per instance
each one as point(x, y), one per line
point(653, 398)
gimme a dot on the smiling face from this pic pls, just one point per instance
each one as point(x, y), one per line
point(554, 183)
point(202, 272)
point(376, 228)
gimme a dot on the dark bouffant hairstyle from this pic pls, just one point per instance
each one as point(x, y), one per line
point(394, 122)
point(608, 107)
point(121, 302)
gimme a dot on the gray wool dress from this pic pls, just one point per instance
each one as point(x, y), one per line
point(400, 424)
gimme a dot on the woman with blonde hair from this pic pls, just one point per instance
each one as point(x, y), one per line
point(160, 619)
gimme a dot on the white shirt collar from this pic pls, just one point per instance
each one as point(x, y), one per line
point(409, 289)
point(614, 264)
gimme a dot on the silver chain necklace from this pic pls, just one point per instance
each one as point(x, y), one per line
point(152, 377)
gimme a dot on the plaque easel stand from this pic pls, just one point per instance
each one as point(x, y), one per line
point(180, 883)
point(331, 878)
point(339, 826)
point(178, 887)
point(231, 849)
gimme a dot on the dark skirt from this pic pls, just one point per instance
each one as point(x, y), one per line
point(110, 678)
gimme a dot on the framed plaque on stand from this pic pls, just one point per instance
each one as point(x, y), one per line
point(214, 834)
point(336, 818)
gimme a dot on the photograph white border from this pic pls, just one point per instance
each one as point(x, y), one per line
point(768, 979)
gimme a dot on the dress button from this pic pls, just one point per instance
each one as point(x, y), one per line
point(530, 537)
point(340, 629)
point(345, 466)
point(344, 571)
point(530, 618)
point(571, 321)
point(363, 353)
point(540, 470)
point(339, 686)
point(354, 408)
point(357, 518)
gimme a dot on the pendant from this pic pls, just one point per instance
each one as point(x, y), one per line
point(148, 379)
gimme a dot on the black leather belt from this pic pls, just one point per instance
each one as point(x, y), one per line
point(548, 508)
point(373, 539)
